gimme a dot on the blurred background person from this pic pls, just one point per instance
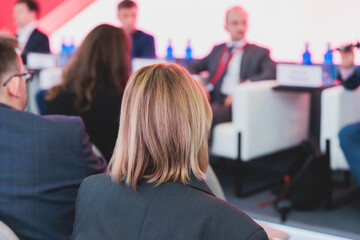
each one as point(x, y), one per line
point(232, 63)
point(143, 45)
point(348, 74)
point(93, 83)
point(30, 38)
point(43, 159)
point(156, 185)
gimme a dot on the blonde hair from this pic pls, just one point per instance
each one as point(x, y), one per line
point(164, 126)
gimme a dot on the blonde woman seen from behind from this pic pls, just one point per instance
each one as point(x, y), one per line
point(155, 188)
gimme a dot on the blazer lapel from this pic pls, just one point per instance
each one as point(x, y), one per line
point(244, 63)
point(216, 60)
point(30, 40)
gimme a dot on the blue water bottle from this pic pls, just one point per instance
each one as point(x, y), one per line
point(329, 70)
point(63, 57)
point(71, 48)
point(169, 52)
point(306, 56)
point(188, 53)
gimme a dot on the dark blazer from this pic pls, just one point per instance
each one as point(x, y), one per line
point(256, 63)
point(143, 45)
point(105, 210)
point(38, 42)
point(101, 120)
point(353, 81)
point(42, 163)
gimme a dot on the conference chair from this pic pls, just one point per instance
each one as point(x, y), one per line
point(48, 78)
point(6, 232)
point(339, 107)
point(264, 122)
point(138, 63)
point(214, 184)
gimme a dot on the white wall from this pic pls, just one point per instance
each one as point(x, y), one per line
point(281, 25)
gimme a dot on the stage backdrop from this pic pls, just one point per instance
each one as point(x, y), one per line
point(281, 25)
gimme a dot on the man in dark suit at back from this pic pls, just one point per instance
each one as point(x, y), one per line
point(29, 37)
point(231, 63)
point(43, 160)
point(143, 45)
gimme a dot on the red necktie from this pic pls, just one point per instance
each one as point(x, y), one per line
point(225, 59)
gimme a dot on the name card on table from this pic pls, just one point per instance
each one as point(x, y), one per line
point(299, 75)
point(38, 61)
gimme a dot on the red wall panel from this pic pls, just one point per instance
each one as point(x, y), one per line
point(6, 12)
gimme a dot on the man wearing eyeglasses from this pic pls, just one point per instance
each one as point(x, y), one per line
point(42, 159)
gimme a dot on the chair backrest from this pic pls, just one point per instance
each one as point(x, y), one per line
point(339, 107)
point(6, 233)
point(138, 63)
point(49, 77)
point(213, 182)
point(269, 120)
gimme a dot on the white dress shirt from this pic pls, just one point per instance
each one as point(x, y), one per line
point(232, 74)
point(23, 34)
point(346, 73)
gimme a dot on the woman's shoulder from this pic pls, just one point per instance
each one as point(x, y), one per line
point(228, 220)
point(98, 179)
point(218, 219)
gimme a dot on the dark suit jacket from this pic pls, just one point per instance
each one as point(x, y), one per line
point(353, 81)
point(256, 64)
point(42, 163)
point(101, 120)
point(38, 42)
point(105, 210)
point(143, 45)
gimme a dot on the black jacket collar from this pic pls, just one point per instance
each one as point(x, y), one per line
point(200, 185)
point(4, 105)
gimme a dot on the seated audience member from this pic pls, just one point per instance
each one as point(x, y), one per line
point(232, 63)
point(348, 74)
point(43, 159)
point(350, 135)
point(156, 187)
point(143, 45)
point(93, 85)
point(29, 37)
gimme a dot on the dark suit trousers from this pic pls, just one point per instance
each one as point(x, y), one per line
point(220, 114)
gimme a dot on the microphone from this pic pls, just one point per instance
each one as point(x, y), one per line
point(347, 47)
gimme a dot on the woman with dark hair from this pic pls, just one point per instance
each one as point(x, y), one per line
point(93, 83)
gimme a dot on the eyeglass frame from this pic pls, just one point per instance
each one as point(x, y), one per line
point(27, 80)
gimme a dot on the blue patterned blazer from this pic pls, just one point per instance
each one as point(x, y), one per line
point(42, 163)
